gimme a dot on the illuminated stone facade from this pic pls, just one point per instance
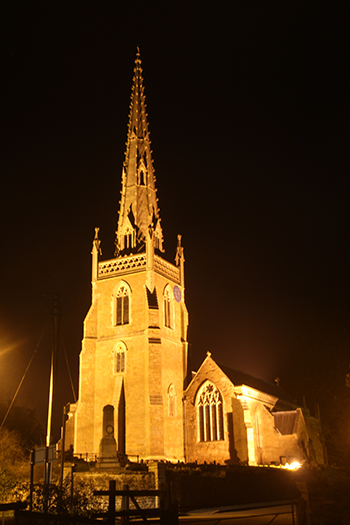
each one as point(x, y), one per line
point(248, 421)
point(133, 395)
point(134, 349)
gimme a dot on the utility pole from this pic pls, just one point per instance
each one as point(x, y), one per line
point(66, 409)
point(55, 311)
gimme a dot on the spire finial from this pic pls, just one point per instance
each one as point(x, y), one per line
point(138, 57)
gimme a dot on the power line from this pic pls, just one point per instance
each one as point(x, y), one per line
point(69, 372)
point(24, 375)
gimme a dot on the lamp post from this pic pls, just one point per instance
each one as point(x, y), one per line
point(56, 317)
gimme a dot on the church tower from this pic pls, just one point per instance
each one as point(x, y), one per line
point(133, 361)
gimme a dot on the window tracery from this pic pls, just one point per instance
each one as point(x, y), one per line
point(210, 413)
point(122, 305)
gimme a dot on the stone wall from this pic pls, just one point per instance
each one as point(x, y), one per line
point(200, 486)
point(91, 480)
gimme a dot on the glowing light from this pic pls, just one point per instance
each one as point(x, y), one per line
point(292, 466)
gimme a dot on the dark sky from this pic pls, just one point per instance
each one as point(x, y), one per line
point(249, 115)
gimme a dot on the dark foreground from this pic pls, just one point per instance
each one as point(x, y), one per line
point(320, 497)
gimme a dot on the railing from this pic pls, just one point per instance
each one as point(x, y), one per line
point(135, 263)
point(167, 269)
point(86, 456)
point(93, 456)
point(122, 265)
point(9, 512)
point(165, 514)
point(16, 506)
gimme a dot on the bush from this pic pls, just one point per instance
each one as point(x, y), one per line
point(11, 450)
point(14, 468)
point(24, 423)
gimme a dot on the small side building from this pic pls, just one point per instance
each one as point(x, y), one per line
point(232, 417)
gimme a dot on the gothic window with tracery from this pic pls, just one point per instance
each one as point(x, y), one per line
point(210, 413)
point(119, 358)
point(122, 302)
point(167, 305)
point(171, 401)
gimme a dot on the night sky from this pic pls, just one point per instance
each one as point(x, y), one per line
point(248, 109)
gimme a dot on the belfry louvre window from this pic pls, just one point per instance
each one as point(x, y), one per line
point(167, 307)
point(210, 413)
point(128, 240)
point(122, 306)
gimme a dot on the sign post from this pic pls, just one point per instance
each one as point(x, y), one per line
point(42, 455)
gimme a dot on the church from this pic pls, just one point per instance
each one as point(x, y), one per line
point(137, 397)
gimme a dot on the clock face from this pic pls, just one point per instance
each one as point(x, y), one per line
point(177, 294)
point(109, 429)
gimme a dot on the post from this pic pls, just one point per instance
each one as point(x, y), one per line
point(171, 515)
point(72, 486)
point(47, 476)
point(111, 502)
point(32, 462)
point(159, 470)
point(63, 445)
point(125, 505)
point(56, 316)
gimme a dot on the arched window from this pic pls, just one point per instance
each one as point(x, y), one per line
point(171, 401)
point(167, 306)
point(119, 358)
point(210, 413)
point(122, 305)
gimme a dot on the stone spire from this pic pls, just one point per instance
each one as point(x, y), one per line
point(139, 212)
